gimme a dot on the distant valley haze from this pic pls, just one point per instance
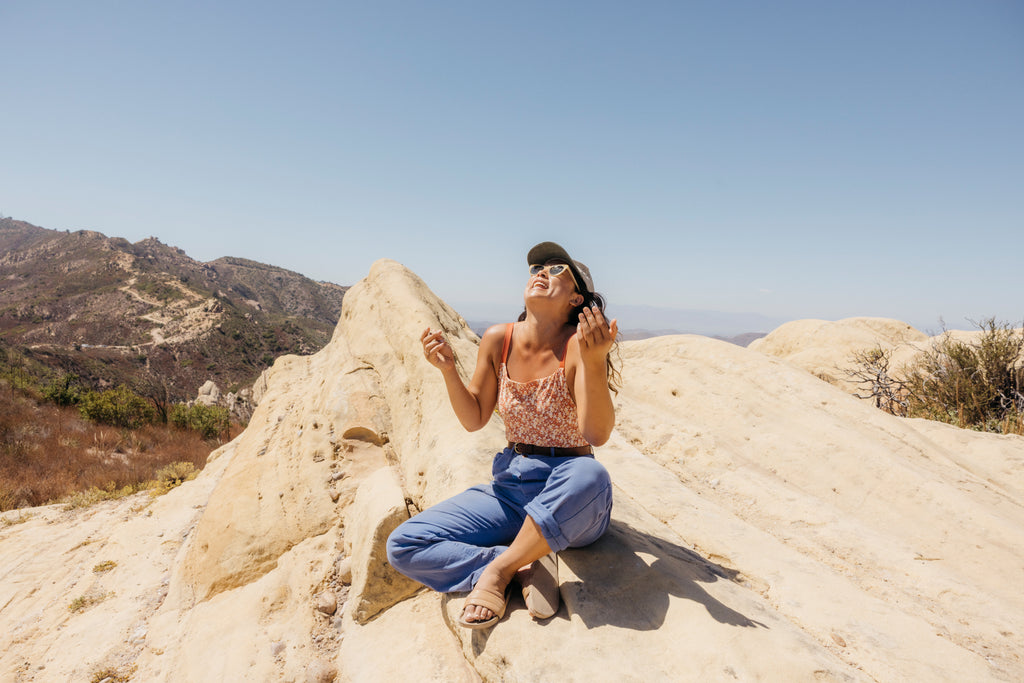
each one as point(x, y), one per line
point(639, 322)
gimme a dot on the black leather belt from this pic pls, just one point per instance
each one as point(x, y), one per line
point(530, 449)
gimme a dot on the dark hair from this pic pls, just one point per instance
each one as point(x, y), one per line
point(589, 299)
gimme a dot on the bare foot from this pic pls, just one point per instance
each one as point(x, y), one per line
point(523, 574)
point(540, 587)
point(492, 582)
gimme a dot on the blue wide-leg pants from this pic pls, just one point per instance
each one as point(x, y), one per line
point(447, 546)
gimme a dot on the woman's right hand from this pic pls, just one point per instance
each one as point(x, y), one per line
point(437, 350)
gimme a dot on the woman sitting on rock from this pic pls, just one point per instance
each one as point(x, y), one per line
point(551, 378)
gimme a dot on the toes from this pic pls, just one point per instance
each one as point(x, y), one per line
point(475, 613)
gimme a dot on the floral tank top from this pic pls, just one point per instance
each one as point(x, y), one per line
point(539, 412)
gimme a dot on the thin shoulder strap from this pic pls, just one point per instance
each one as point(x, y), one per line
point(508, 342)
point(565, 351)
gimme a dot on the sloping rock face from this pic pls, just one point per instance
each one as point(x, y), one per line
point(826, 348)
point(767, 526)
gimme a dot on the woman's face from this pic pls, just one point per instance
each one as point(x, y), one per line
point(545, 286)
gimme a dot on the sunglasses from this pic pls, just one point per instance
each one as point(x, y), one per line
point(554, 269)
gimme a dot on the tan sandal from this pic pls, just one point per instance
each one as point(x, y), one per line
point(496, 602)
point(540, 587)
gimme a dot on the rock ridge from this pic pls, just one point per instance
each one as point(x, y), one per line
point(767, 526)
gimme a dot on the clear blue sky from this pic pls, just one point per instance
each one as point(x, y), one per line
point(795, 159)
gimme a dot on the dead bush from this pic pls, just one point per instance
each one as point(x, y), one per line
point(871, 373)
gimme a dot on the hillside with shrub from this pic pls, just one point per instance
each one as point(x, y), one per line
point(98, 445)
point(104, 345)
point(147, 316)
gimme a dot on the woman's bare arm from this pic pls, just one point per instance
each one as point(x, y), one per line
point(473, 404)
point(594, 406)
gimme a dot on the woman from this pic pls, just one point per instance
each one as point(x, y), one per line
point(550, 376)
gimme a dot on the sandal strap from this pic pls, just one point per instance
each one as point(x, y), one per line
point(495, 602)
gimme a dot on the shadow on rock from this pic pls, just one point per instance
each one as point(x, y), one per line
point(626, 578)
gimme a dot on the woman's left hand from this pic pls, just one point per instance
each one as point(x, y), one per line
point(596, 335)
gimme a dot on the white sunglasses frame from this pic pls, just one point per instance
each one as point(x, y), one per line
point(548, 266)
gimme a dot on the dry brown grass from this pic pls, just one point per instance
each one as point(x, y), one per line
point(48, 453)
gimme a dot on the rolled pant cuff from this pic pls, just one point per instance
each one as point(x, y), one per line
point(549, 528)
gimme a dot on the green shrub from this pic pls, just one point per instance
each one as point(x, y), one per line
point(19, 378)
point(84, 602)
point(209, 421)
point(977, 384)
point(63, 390)
point(94, 494)
point(175, 474)
point(119, 407)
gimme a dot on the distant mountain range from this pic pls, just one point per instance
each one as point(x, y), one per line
point(707, 323)
point(115, 312)
point(642, 322)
